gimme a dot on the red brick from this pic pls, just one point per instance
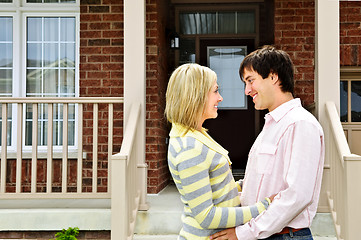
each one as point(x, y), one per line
point(113, 2)
point(90, 50)
point(100, 58)
point(99, 42)
point(112, 17)
point(98, 9)
point(90, 34)
point(90, 17)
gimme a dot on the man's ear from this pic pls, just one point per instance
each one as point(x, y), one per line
point(274, 77)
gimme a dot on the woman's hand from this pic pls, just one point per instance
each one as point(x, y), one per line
point(228, 234)
point(272, 197)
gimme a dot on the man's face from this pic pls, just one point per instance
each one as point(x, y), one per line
point(261, 90)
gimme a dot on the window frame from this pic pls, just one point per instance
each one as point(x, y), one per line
point(350, 74)
point(20, 11)
point(217, 8)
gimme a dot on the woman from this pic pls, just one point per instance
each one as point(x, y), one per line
point(199, 165)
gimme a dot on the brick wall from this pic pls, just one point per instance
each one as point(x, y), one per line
point(157, 78)
point(294, 33)
point(101, 75)
point(350, 33)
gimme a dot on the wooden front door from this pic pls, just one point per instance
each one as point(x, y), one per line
point(234, 128)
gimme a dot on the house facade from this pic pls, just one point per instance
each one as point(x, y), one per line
point(77, 49)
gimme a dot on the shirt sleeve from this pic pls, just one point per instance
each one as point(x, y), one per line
point(303, 140)
point(194, 179)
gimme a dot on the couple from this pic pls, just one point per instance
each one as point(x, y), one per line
point(282, 182)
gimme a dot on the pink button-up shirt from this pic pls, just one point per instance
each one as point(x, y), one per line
point(287, 158)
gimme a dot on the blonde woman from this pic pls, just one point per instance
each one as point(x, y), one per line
point(200, 167)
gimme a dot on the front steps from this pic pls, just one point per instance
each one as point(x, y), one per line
point(162, 220)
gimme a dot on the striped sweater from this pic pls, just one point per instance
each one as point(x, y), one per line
point(201, 172)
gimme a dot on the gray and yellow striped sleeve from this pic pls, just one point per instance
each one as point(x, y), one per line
point(193, 166)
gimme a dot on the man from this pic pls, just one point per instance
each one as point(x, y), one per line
point(287, 157)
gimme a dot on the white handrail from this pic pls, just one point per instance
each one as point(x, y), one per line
point(126, 189)
point(337, 129)
point(129, 134)
point(343, 196)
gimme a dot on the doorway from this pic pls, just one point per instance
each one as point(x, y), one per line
point(234, 128)
point(206, 28)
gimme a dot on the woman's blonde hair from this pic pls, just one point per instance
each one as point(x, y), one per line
point(187, 94)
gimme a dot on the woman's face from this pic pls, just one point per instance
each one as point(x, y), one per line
point(211, 107)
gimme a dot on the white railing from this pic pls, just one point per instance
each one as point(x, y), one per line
point(50, 153)
point(344, 193)
point(128, 192)
point(127, 172)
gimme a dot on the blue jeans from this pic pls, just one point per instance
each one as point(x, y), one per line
point(304, 234)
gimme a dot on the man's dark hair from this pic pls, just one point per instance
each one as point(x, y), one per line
point(268, 60)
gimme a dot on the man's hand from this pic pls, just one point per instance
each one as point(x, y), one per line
point(228, 234)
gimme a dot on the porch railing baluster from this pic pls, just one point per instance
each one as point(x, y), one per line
point(4, 141)
point(49, 162)
point(19, 148)
point(110, 143)
point(64, 175)
point(34, 159)
point(95, 147)
point(80, 149)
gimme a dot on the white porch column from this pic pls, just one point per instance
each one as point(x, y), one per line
point(135, 78)
point(327, 70)
point(327, 55)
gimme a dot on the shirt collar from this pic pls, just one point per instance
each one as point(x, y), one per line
point(202, 136)
point(278, 113)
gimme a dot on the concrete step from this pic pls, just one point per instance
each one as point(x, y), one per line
point(163, 219)
point(174, 237)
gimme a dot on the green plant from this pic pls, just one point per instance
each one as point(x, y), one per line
point(69, 234)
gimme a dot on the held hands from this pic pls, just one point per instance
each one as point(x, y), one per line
point(228, 234)
point(272, 197)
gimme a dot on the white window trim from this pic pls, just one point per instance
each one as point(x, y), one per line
point(19, 11)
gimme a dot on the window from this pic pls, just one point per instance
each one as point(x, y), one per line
point(225, 62)
point(200, 22)
point(46, 67)
point(350, 95)
point(227, 22)
point(6, 68)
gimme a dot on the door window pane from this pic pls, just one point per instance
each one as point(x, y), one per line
point(6, 1)
point(236, 22)
point(207, 23)
point(51, 73)
point(227, 22)
point(198, 23)
point(343, 101)
point(356, 101)
point(225, 62)
point(246, 22)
